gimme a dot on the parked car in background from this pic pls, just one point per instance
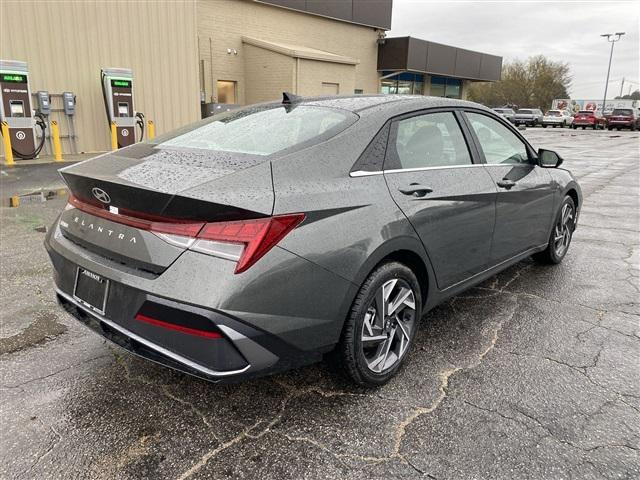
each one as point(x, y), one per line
point(507, 113)
point(528, 116)
point(623, 118)
point(588, 118)
point(557, 118)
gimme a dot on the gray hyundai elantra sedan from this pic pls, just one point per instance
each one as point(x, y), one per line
point(268, 237)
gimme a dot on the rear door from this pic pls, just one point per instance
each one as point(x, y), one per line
point(525, 193)
point(449, 199)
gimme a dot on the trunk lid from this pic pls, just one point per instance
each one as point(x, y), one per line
point(160, 184)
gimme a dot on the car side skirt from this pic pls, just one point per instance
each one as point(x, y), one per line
point(453, 290)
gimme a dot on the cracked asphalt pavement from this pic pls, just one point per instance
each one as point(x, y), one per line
point(533, 374)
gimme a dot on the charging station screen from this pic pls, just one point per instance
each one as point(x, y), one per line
point(123, 109)
point(121, 83)
point(17, 108)
point(14, 78)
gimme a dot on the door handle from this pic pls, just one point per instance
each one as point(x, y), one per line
point(506, 183)
point(415, 189)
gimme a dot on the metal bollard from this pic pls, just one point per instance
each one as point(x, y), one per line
point(57, 148)
point(6, 138)
point(151, 130)
point(114, 136)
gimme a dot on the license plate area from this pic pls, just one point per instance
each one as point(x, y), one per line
point(91, 290)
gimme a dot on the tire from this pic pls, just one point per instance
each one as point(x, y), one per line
point(360, 358)
point(633, 127)
point(584, 127)
point(609, 128)
point(562, 231)
point(575, 127)
point(544, 126)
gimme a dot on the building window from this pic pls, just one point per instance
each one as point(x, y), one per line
point(446, 87)
point(358, 91)
point(226, 91)
point(402, 83)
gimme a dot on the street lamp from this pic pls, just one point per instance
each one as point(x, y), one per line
point(612, 38)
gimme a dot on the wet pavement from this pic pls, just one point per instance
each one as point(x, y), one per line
point(532, 374)
point(40, 175)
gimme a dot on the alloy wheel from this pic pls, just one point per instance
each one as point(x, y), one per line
point(563, 230)
point(388, 325)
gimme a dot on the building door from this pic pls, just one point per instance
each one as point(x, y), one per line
point(226, 91)
point(330, 88)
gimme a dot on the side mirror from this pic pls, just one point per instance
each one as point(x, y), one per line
point(549, 158)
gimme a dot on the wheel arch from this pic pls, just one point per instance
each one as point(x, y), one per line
point(410, 252)
point(573, 193)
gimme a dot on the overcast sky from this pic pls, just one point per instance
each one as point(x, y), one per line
point(566, 31)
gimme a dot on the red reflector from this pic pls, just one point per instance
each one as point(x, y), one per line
point(177, 328)
point(143, 221)
point(258, 235)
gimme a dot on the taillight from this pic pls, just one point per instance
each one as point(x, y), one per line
point(243, 241)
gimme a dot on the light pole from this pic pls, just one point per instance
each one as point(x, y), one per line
point(612, 38)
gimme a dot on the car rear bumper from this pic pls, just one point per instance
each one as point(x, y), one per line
point(248, 343)
point(620, 123)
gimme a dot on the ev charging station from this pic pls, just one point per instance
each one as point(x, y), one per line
point(15, 109)
point(117, 90)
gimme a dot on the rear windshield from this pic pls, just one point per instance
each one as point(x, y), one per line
point(261, 130)
point(585, 112)
point(525, 111)
point(622, 111)
point(554, 113)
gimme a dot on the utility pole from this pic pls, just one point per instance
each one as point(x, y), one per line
point(612, 38)
point(621, 86)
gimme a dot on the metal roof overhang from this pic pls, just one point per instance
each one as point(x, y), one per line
point(410, 54)
point(298, 51)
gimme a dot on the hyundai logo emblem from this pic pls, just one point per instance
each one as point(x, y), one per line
point(101, 195)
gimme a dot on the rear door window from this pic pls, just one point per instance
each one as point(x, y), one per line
point(430, 140)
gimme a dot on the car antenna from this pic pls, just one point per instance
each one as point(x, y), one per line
point(289, 98)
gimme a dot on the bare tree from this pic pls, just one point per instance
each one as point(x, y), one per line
point(534, 83)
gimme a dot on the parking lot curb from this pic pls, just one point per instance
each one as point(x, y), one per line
point(34, 197)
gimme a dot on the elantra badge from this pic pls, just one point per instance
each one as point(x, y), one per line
point(101, 195)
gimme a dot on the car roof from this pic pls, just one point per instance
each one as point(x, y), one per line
point(360, 103)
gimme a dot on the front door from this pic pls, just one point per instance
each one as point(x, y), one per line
point(525, 196)
point(449, 200)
